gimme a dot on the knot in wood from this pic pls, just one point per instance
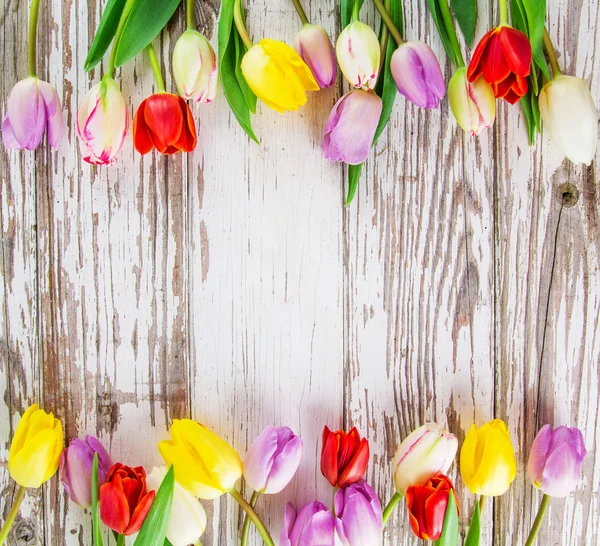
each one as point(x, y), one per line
point(568, 194)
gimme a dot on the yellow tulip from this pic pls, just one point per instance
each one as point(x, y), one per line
point(487, 459)
point(277, 75)
point(35, 450)
point(204, 464)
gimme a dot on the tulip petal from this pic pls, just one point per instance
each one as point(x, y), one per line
point(435, 509)
point(493, 64)
point(259, 459)
point(27, 113)
point(164, 120)
point(289, 518)
point(329, 458)
point(474, 70)
point(54, 117)
point(537, 455)
point(561, 472)
point(114, 510)
point(285, 464)
point(357, 467)
point(516, 49)
point(8, 136)
point(141, 135)
point(140, 513)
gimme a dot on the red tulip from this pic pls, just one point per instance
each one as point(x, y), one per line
point(427, 506)
point(164, 121)
point(503, 58)
point(344, 457)
point(124, 502)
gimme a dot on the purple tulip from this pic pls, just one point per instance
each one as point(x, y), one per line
point(359, 515)
point(76, 464)
point(314, 525)
point(418, 75)
point(272, 459)
point(351, 127)
point(555, 460)
point(33, 107)
point(315, 48)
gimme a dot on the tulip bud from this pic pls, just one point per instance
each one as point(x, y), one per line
point(570, 117)
point(359, 515)
point(195, 67)
point(473, 103)
point(314, 524)
point(102, 122)
point(272, 459)
point(359, 55)
point(344, 457)
point(36, 447)
point(556, 460)
point(315, 48)
point(418, 75)
point(187, 520)
point(425, 452)
point(351, 127)
point(33, 107)
point(76, 466)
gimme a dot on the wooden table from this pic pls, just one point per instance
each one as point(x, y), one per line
point(232, 286)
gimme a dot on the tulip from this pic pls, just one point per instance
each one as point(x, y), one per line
point(570, 117)
point(487, 459)
point(473, 103)
point(313, 525)
point(102, 122)
point(124, 500)
point(344, 457)
point(195, 67)
point(76, 466)
point(272, 460)
point(187, 520)
point(351, 126)
point(503, 58)
point(556, 460)
point(427, 506)
point(204, 464)
point(359, 515)
point(359, 54)
point(35, 451)
point(418, 75)
point(425, 452)
point(33, 107)
point(164, 121)
point(315, 48)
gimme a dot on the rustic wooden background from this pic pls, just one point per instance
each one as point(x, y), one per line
point(232, 286)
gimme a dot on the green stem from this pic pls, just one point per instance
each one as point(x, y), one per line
point(238, 18)
point(301, 12)
point(260, 526)
point(355, 11)
point(449, 24)
point(385, 16)
point(121, 540)
point(189, 14)
point(32, 45)
point(113, 52)
point(556, 71)
point(538, 521)
point(17, 502)
point(503, 5)
point(387, 512)
point(481, 504)
point(385, 37)
point(160, 83)
point(246, 527)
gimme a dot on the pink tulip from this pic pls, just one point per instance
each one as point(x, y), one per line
point(33, 107)
point(315, 48)
point(359, 515)
point(313, 525)
point(102, 122)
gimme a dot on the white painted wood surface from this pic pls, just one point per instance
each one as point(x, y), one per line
point(231, 285)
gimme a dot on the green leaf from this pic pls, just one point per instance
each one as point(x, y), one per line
point(449, 535)
point(353, 177)
point(465, 12)
point(346, 11)
point(535, 12)
point(97, 535)
point(474, 533)
point(146, 20)
point(240, 50)
point(154, 528)
point(434, 9)
point(105, 33)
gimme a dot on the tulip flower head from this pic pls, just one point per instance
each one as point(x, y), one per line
point(344, 457)
point(76, 465)
point(427, 504)
point(313, 525)
point(35, 451)
point(472, 103)
point(556, 460)
point(272, 460)
point(277, 75)
point(503, 59)
point(359, 515)
point(195, 67)
point(351, 126)
point(425, 452)
point(570, 117)
point(204, 464)
point(187, 521)
point(358, 54)
point(315, 48)
point(418, 75)
point(487, 459)
point(102, 122)
point(164, 121)
point(33, 107)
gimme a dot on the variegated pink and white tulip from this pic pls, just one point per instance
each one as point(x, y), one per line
point(358, 54)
